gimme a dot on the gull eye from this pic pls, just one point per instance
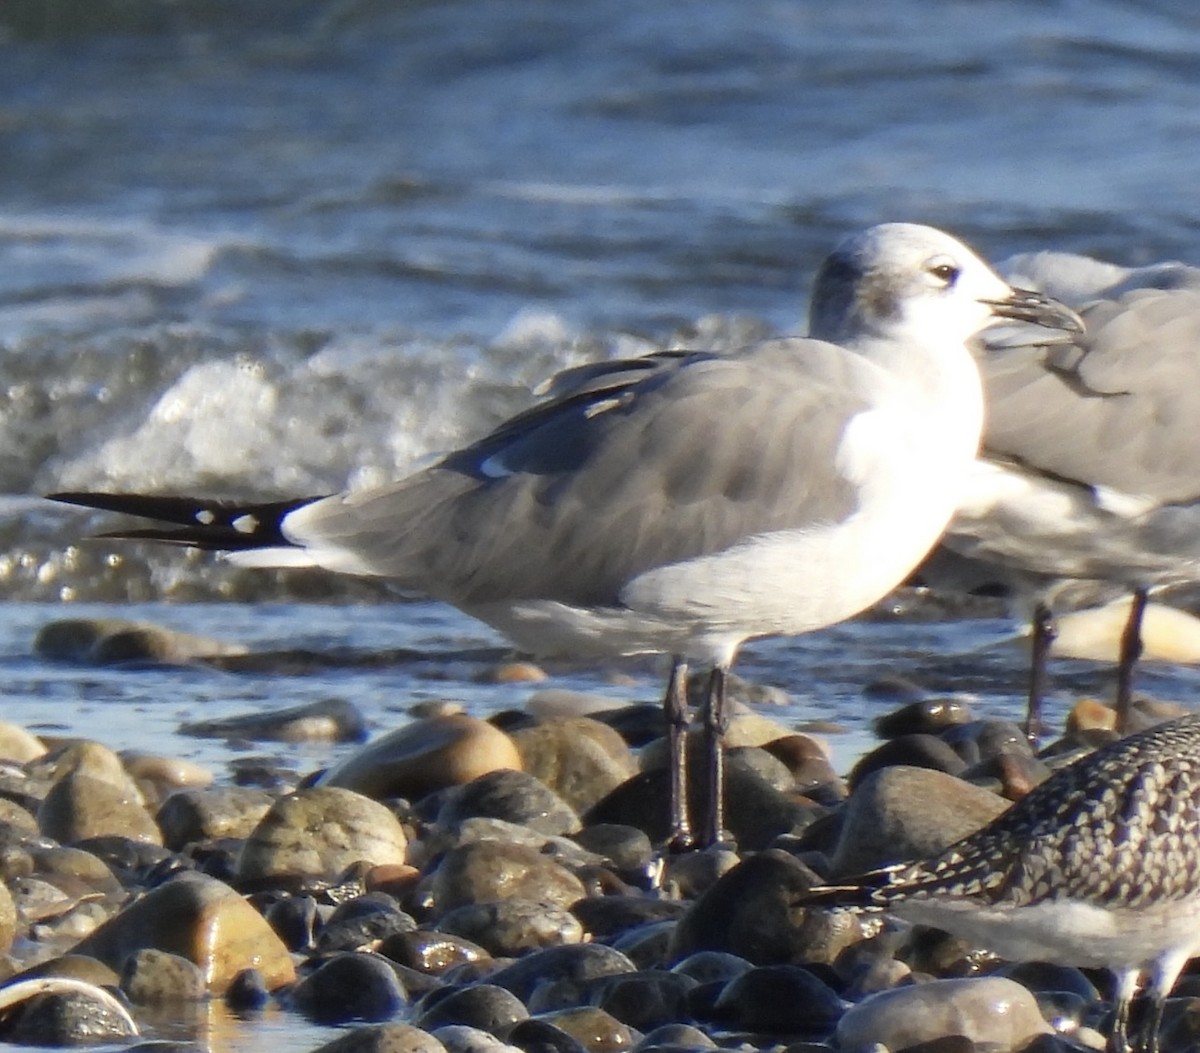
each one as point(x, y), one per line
point(944, 270)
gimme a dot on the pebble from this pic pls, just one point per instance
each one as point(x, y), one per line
point(319, 832)
point(468, 915)
point(93, 796)
point(116, 641)
point(902, 812)
point(326, 720)
point(17, 744)
point(989, 1011)
point(424, 756)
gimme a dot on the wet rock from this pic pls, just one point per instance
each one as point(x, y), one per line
point(424, 756)
point(248, 992)
point(151, 977)
point(753, 912)
point(514, 796)
point(901, 813)
point(53, 1011)
point(991, 1011)
point(647, 946)
point(8, 919)
point(627, 848)
point(349, 987)
point(115, 641)
point(210, 814)
point(644, 1000)
point(17, 744)
point(295, 920)
point(779, 999)
point(594, 1029)
point(676, 1037)
point(983, 740)
point(326, 720)
point(75, 967)
point(607, 916)
point(363, 921)
point(459, 1038)
point(384, 1038)
point(511, 927)
point(204, 921)
point(570, 963)
point(541, 1036)
point(430, 951)
point(484, 1006)
point(928, 716)
point(93, 796)
point(319, 832)
point(912, 751)
point(489, 871)
point(580, 759)
point(807, 762)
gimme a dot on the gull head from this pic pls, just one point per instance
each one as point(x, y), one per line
point(903, 281)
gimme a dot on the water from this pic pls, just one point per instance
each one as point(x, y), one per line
point(293, 246)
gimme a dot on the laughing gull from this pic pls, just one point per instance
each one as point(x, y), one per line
point(1097, 867)
point(685, 502)
point(1090, 468)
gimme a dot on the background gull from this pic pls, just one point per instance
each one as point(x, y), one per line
point(685, 503)
point(1091, 462)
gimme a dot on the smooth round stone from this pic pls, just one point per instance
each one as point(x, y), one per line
point(202, 920)
point(927, 716)
point(326, 720)
point(779, 999)
point(511, 927)
point(751, 912)
point(808, 762)
point(93, 796)
point(982, 740)
point(65, 1013)
point(8, 919)
point(627, 848)
point(152, 977)
point(459, 1038)
point(196, 815)
point(514, 673)
point(384, 1038)
point(541, 1036)
point(17, 744)
point(675, 1036)
point(114, 641)
point(16, 818)
point(569, 963)
point(912, 751)
point(991, 1011)
point(349, 987)
point(489, 871)
point(712, 966)
point(319, 832)
point(248, 992)
point(900, 813)
point(648, 945)
point(484, 1006)
point(76, 967)
point(515, 796)
point(644, 1000)
point(165, 774)
point(580, 759)
point(430, 951)
point(424, 756)
point(607, 916)
point(594, 1029)
point(1167, 633)
point(362, 922)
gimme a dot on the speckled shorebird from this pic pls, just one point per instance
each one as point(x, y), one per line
point(1099, 866)
point(685, 502)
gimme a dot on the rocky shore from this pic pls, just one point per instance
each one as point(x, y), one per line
point(468, 886)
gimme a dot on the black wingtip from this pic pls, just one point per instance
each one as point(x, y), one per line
point(200, 523)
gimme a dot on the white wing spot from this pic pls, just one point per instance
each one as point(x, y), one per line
point(205, 518)
point(494, 467)
point(246, 524)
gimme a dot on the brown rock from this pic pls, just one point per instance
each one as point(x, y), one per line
point(93, 796)
point(200, 919)
point(424, 756)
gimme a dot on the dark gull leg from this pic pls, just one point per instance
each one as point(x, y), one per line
point(675, 708)
point(1118, 1038)
point(1161, 980)
point(1131, 651)
point(1044, 632)
point(716, 722)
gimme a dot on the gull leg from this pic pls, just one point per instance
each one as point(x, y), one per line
point(675, 708)
point(716, 722)
point(1044, 632)
point(1131, 650)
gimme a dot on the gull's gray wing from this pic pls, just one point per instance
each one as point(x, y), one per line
point(1117, 406)
point(630, 468)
